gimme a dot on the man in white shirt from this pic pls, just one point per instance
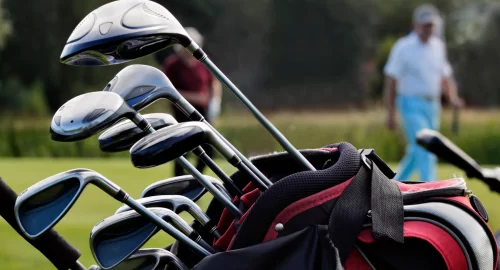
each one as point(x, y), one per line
point(416, 72)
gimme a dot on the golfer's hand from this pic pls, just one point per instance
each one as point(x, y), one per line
point(458, 103)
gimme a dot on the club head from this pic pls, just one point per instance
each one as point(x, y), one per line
point(442, 147)
point(174, 141)
point(151, 259)
point(175, 203)
point(122, 31)
point(123, 135)
point(117, 237)
point(88, 114)
point(184, 185)
point(141, 91)
point(41, 206)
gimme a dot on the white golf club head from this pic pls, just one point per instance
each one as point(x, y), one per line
point(122, 31)
point(151, 259)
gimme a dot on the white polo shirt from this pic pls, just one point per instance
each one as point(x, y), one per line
point(418, 67)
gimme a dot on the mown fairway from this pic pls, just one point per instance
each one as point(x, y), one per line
point(94, 205)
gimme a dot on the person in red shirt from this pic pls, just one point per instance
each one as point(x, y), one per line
point(196, 84)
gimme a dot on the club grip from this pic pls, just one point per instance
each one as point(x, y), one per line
point(59, 252)
point(442, 147)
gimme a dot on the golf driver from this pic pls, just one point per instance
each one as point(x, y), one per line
point(184, 185)
point(150, 152)
point(87, 114)
point(150, 259)
point(140, 91)
point(177, 204)
point(123, 135)
point(436, 143)
point(122, 31)
point(43, 205)
point(176, 140)
point(117, 237)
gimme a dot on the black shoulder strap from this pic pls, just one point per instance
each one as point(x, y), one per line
point(379, 198)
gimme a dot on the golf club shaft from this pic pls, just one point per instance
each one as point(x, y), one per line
point(235, 191)
point(211, 188)
point(165, 226)
point(78, 266)
point(273, 130)
point(249, 164)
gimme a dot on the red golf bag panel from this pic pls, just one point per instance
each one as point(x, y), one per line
point(349, 215)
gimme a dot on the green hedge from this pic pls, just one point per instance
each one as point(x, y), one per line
point(480, 139)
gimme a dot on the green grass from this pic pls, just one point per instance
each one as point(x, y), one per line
point(94, 205)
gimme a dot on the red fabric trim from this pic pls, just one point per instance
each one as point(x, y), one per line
point(434, 235)
point(329, 149)
point(426, 186)
point(304, 204)
point(356, 262)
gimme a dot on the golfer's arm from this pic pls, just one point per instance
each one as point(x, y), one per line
point(390, 93)
point(450, 89)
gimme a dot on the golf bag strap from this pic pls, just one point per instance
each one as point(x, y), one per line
point(379, 199)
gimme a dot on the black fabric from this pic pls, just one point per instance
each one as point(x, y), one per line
point(309, 249)
point(414, 254)
point(55, 248)
point(291, 189)
point(370, 191)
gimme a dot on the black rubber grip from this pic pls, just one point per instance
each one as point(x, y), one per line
point(55, 248)
point(121, 195)
point(235, 161)
point(196, 116)
point(198, 54)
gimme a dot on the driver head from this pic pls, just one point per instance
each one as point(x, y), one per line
point(123, 135)
point(88, 114)
point(41, 206)
point(122, 31)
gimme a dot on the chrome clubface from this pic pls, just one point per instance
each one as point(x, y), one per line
point(116, 238)
point(122, 31)
point(151, 259)
point(86, 115)
point(184, 185)
point(42, 205)
point(123, 135)
point(141, 91)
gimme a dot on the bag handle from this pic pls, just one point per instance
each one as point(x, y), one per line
point(380, 199)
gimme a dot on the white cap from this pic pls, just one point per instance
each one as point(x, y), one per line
point(425, 14)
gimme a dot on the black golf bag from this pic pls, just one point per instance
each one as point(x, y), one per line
point(348, 214)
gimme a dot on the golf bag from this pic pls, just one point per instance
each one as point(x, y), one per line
point(348, 214)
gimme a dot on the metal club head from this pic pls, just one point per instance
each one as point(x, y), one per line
point(117, 237)
point(85, 115)
point(42, 205)
point(184, 185)
point(122, 31)
point(124, 134)
point(151, 259)
point(174, 141)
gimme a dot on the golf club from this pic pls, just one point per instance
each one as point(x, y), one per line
point(117, 237)
point(140, 91)
point(43, 205)
point(436, 143)
point(150, 259)
point(150, 152)
point(87, 114)
point(176, 140)
point(123, 135)
point(140, 28)
point(178, 204)
point(184, 185)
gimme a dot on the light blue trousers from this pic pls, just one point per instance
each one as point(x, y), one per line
point(416, 114)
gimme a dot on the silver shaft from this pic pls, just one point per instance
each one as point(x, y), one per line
point(165, 226)
point(273, 130)
point(211, 188)
point(245, 161)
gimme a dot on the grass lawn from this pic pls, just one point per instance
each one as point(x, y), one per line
point(94, 205)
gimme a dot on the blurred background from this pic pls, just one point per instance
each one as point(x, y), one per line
point(313, 67)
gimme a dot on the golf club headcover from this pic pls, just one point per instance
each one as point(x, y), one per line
point(59, 252)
